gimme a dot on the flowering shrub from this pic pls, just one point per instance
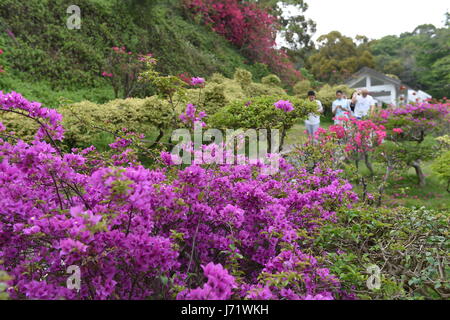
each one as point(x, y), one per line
point(343, 147)
point(123, 69)
point(357, 138)
point(408, 128)
point(219, 286)
point(361, 136)
point(197, 81)
point(415, 121)
point(49, 120)
point(138, 233)
point(249, 26)
point(190, 116)
point(185, 78)
point(284, 105)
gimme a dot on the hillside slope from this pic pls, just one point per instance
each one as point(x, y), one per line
point(45, 60)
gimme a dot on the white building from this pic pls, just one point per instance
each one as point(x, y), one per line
point(385, 89)
point(417, 96)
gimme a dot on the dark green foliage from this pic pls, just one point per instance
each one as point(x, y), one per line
point(338, 57)
point(410, 246)
point(420, 58)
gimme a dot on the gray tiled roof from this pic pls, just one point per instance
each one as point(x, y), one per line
point(367, 70)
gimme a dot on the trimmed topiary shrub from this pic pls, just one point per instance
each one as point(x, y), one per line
point(271, 80)
point(301, 88)
point(261, 113)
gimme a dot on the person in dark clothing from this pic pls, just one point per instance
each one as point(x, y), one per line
point(352, 104)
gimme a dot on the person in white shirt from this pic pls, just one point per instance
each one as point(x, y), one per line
point(341, 108)
point(313, 121)
point(364, 104)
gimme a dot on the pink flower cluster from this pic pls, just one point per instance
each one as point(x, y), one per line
point(49, 119)
point(250, 26)
point(219, 286)
point(416, 119)
point(196, 81)
point(121, 50)
point(191, 116)
point(357, 136)
point(284, 105)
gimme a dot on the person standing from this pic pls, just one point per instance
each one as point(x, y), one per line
point(313, 121)
point(364, 104)
point(340, 107)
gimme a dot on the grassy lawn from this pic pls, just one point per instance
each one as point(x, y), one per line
point(297, 135)
point(404, 190)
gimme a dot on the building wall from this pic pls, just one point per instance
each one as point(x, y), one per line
point(417, 96)
point(386, 93)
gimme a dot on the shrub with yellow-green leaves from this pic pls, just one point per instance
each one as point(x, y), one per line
point(261, 89)
point(19, 126)
point(270, 85)
point(243, 77)
point(220, 91)
point(271, 80)
point(301, 88)
point(212, 97)
point(261, 113)
point(86, 119)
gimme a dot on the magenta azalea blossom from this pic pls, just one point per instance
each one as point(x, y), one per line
point(197, 81)
point(284, 105)
point(191, 116)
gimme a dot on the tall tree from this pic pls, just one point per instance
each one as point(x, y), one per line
point(295, 29)
point(338, 56)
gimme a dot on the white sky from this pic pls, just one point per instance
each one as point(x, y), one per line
point(375, 18)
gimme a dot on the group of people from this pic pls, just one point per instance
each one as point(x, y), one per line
point(360, 105)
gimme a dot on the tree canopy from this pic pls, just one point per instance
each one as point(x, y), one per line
point(339, 56)
point(420, 58)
